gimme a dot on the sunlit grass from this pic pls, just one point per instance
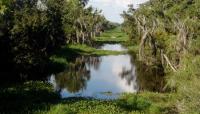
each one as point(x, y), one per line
point(186, 84)
point(64, 55)
point(114, 35)
point(143, 103)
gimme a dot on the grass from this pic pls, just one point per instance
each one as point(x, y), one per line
point(112, 36)
point(185, 82)
point(68, 53)
point(90, 51)
point(27, 97)
point(38, 97)
point(148, 103)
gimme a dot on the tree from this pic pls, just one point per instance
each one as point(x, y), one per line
point(31, 30)
point(165, 27)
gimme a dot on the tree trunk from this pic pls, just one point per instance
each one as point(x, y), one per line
point(83, 38)
point(77, 36)
point(142, 43)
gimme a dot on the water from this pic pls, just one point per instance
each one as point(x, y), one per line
point(113, 47)
point(104, 77)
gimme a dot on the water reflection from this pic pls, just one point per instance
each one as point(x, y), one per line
point(129, 76)
point(113, 47)
point(150, 78)
point(93, 76)
point(98, 76)
point(76, 75)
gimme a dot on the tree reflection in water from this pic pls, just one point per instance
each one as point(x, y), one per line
point(76, 75)
point(129, 76)
point(137, 76)
point(93, 62)
point(149, 78)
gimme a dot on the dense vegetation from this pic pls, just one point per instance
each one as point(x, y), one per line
point(167, 33)
point(38, 97)
point(31, 30)
point(36, 35)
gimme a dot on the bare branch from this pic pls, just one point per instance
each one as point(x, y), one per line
point(169, 63)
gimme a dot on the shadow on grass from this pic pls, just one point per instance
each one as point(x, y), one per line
point(68, 53)
point(60, 59)
point(26, 98)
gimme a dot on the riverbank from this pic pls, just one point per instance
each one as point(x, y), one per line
point(112, 36)
point(127, 103)
point(75, 50)
point(149, 103)
point(68, 52)
point(40, 98)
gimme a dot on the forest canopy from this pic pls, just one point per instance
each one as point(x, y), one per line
point(30, 30)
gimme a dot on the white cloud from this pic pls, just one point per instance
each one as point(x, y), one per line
point(116, 2)
point(113, 8)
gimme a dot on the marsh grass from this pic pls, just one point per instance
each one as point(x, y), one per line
point(70, 52)
point(112, 36)
point(186, 85)
point(142, 103)
point(38, 97)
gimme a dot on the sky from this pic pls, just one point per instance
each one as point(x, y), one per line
point(112, 9)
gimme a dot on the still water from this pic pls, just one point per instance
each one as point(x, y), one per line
point(113, 47)
point(104, 77)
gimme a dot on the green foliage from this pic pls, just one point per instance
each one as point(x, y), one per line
point(165, 14)
point(135, 103)
point(30, 31)
point(39, 98)
point(27, 97)
point(2, 8)
point(129, 25)
point(185, 82)
point(86, 106)
point(173, 20)
point(144, 103)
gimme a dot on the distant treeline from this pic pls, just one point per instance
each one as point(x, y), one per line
point(30, 30)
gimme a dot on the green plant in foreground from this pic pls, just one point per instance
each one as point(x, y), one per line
point(134, 103)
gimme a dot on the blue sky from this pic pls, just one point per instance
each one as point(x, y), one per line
point(112, 9)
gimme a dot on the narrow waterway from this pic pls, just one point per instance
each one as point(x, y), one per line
point(113, 47)
point(104, 77)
